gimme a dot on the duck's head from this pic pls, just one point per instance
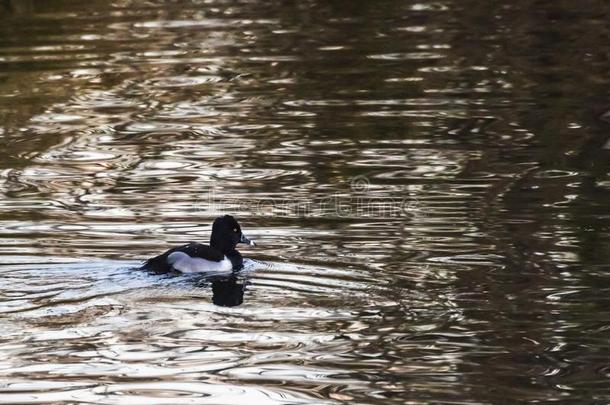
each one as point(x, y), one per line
point(226, 234)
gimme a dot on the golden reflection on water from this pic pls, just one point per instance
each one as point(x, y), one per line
point(427, 184)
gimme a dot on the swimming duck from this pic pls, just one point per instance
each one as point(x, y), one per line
point(219, 256)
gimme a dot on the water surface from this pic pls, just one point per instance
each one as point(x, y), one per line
point(427, 183)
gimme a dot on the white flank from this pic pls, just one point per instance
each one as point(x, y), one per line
point(187, 264)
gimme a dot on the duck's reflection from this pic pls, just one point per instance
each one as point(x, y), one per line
point(227, 292)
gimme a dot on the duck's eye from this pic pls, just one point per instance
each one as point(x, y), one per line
point(235, 230)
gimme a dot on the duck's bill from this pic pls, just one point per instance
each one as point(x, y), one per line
point(246, 240)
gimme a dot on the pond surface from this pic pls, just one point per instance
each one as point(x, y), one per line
point(427, 183)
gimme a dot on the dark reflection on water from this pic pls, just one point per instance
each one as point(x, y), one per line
point(428, 182)
point(227, 292)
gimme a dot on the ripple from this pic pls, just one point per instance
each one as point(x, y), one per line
point(183, 81)
point(147, 127)
point(57, 118)
point(408, 56)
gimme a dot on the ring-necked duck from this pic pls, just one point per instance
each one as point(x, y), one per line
point(220, 256)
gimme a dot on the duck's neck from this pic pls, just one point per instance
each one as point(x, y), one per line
point(236, 260)
point(223, 246)
point(227, 249)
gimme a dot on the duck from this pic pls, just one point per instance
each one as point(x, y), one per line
point(220, 256)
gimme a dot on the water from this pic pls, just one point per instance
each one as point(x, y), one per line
point(426, 181)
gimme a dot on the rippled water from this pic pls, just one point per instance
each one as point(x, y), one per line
point(427, 182)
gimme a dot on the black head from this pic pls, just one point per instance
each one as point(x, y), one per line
point(226, 234)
